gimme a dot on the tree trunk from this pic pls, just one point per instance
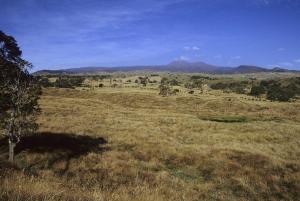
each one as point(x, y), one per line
point(11, 151)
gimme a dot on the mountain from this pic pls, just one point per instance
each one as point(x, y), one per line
point(174, 66)
point(184, 66)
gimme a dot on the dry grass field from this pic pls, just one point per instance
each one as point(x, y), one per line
point(132, 144)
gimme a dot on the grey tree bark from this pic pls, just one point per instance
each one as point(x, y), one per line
point(11, 151)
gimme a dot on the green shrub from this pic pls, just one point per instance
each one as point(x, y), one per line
point(278, 93)
point(278, 90)
point(257, 90)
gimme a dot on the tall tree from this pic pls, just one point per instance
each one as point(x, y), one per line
point(19, 93)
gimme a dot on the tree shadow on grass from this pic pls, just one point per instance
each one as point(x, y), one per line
point(51, 148)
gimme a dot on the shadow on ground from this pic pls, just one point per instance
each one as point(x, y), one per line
point(43, 150)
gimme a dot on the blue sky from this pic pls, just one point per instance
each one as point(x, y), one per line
point(57, 34)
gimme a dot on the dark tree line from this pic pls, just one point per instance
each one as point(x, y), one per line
point(62, 81)
point(237, 87)
point(277, 90)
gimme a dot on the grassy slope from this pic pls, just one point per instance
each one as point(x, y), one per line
point(184, 147)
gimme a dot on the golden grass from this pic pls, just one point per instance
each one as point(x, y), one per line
point(184, 147)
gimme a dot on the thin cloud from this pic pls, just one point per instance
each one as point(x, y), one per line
point(237, 57)
point(195, 48)
point(280, 49)
point(191, 48)
point(182, 58)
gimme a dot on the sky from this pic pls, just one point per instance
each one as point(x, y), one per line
point(55, 34)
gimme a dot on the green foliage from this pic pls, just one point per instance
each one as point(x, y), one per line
point(237, 87)
point(164, 80)
point(97, 77)
point(69, 82)
point(219, 85)
point(144, 81)
point(197, 77)
point(194, 84)
point(62, 82)
point(174, 82)
point(279, 93)
point(278, 90)
point(175, 91)
point(44, 82)
point(257, 90)
point(197, 84)
point(102, 77)
point(19, 91)
point(164, 87)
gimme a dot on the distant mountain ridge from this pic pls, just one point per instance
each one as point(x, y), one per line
point(175, 66)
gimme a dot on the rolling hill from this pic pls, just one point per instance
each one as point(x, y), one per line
point(175, 66)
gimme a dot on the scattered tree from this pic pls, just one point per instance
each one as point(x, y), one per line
point(144, 81)
point(19, 93)
point(164, 88)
